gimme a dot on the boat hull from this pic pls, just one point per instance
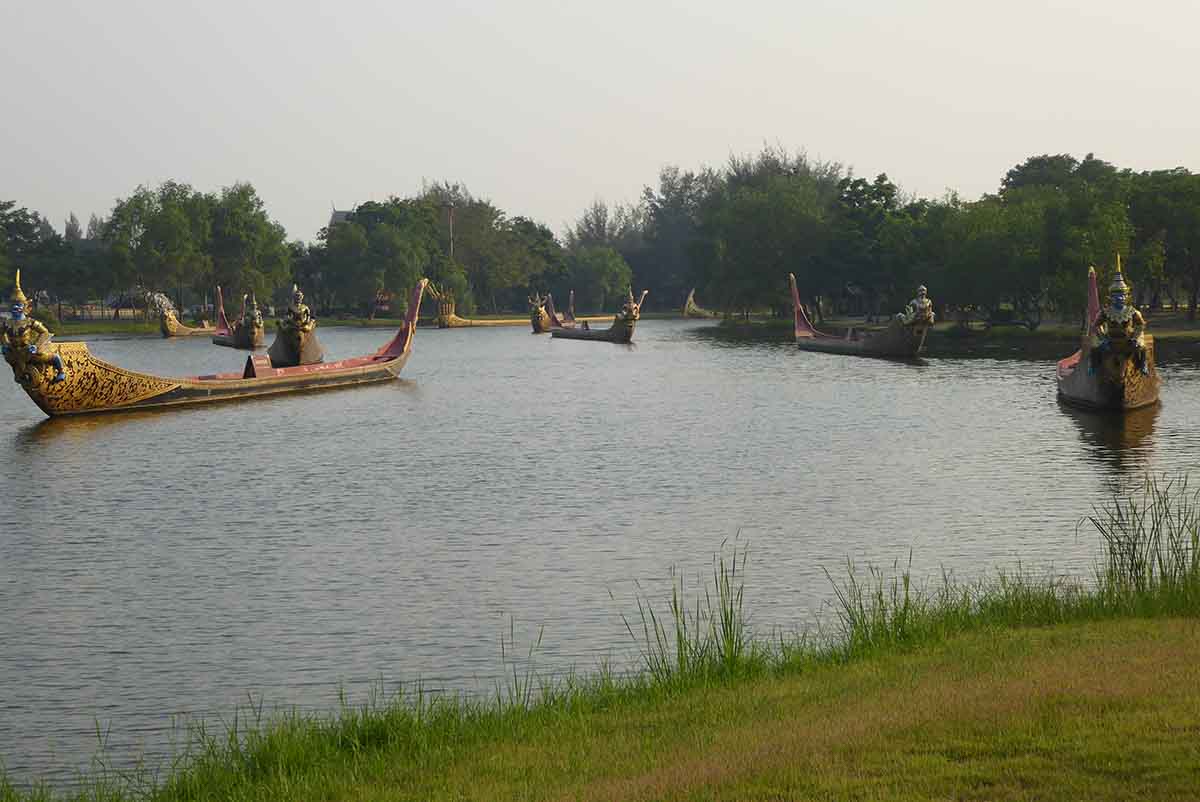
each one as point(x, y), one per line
point(1116, 384)
point(897, 341)
point(621, 331)
point(247, 339)
point(171, 327)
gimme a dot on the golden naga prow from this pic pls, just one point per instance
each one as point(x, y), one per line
point(168, 320)
point(1114, 368)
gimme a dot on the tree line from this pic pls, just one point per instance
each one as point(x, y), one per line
point(734, 232)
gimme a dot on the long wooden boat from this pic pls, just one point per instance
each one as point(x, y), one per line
point(246, 332)
point(93, 385)
point(621, 330)
point(904, 337)
point(1114, 368)
point(170, 326)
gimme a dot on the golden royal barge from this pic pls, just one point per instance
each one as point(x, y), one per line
point(65, 379)
point(1114, 367)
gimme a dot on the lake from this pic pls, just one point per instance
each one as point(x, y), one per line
point(164, 565)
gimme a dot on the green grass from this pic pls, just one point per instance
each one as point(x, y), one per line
point(1017, 687)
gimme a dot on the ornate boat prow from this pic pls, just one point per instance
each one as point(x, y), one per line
point(904, 337)
point(296, 340)
point(690, 309)
point(539, 318)
point(621, 330)
point(1114, 368)
point(246, 332)
point(66, 379)
point(169, 325)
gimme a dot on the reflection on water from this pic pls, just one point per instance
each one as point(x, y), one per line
point(173, 562)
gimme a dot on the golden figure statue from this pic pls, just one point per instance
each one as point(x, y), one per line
point(298, 317)
point(26, 344)
point(539, 318)
point(295, 341)
point(919, 309)
point(1120, 327)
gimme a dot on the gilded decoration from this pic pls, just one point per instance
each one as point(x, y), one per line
point(91, 383)
point(919, 310)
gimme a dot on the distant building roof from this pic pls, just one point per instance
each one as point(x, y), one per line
point(339, 216)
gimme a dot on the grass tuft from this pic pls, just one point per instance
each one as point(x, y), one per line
point(1149, 567)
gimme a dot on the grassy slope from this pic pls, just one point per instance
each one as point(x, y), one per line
point(1013, 688)
point(1097, 710)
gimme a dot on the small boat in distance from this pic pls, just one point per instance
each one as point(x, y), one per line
point(690, 309)
point(621, 330)
point(246, 332)
point(904, 337)
point(65, 379)
point(168, 322)
point(1114, 367)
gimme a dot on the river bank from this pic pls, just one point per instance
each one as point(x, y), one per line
point(128, 326)
point(1173, 335)
point(1018, 687)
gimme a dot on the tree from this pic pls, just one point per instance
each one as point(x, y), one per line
point(72, 231)
point(598, 273)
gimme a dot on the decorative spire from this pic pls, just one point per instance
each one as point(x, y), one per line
point(1118, 282)
point(18, 297)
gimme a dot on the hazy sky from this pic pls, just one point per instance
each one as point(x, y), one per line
point(543, 107)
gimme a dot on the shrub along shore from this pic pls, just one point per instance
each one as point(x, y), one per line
point(1016, 687)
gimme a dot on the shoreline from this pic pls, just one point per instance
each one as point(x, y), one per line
point(906, 674)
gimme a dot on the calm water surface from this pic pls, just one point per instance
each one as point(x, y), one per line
point(160, 566)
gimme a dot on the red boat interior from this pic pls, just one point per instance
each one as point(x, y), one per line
point(258, 366)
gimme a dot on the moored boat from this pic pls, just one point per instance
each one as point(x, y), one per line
point(1114, 367)
point(621, 330)
point(65, 379)
point(170, 326)
point(246, 332)
point(904, 337)
point(447, 317)
point(690, 308)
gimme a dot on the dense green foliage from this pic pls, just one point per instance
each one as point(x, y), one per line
point(857, 246)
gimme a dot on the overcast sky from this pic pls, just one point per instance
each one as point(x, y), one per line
point(544, 106)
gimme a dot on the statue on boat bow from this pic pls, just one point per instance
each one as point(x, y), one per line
point(1120, 329)
point(919, 309)
point(295, 338)
point(539, 318)
point(26, 344)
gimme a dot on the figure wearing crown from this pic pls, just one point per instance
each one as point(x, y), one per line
point(919, 309)
point(25, 342)
point(298, 317)
point(1120, 327)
